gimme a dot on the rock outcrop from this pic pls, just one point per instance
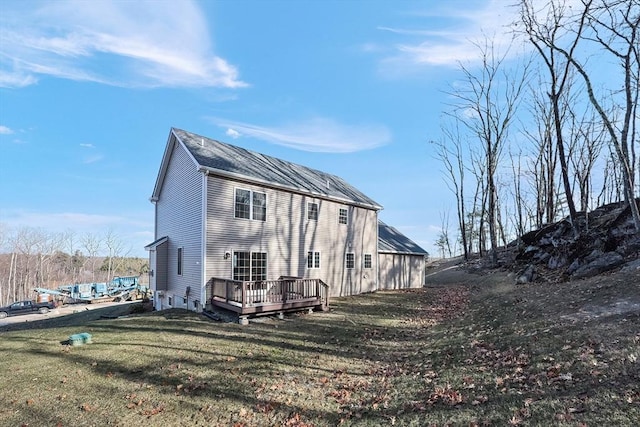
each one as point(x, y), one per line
point(602, 240)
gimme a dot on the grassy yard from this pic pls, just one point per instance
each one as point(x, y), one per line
point(468, 354)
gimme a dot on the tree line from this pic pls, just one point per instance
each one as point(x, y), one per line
point(35, 258)
point(550, 135)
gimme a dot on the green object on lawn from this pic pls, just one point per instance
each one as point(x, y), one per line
point(80, 339)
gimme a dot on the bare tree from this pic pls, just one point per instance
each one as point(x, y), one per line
point(4, 279)
point(34, 257)
point(69, 244)
point(520, 217)
point(91, 244)
point(450, 153)
point(46, 246)
point(444, 242)
point(613, 26)
point(612, 182)
point(544, 34)
point(487, 105)
point(542, 166)
point(616, 26)
point(476, 224)
point(115, 249)
point(586, 142)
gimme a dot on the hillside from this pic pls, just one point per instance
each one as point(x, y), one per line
point(471, 348)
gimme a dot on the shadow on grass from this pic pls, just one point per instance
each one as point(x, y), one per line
point(81, 318)
point(369, 338)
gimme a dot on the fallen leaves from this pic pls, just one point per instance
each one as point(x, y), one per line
point(152, 411)
point(446, 395)
point(85, 407)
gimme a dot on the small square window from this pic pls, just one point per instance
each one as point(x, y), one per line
point(312, 211)
point(343, 216)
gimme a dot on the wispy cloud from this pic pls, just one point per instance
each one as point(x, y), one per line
point(449, 35)
point(4, 130)
point(316, 135)
point(104, 41)
point(92, 159)
point(233, 133)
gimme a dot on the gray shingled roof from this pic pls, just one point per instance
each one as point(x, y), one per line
point(218, 156)
point(391, 240)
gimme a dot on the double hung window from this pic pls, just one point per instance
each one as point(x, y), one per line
point(343, 216)
point(367, 261)
point(350, 260)
point(250, 205)
point(312, 211)
point(313, 259)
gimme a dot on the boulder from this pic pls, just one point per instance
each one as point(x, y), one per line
point(607, 261)
point(631, 266)
point(528, 275)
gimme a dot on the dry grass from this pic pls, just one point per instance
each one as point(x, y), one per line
point(467, 354)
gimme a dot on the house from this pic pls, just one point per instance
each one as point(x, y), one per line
point(233, 226)
point(401, 261)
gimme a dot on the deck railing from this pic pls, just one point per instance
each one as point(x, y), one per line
point(247, 297)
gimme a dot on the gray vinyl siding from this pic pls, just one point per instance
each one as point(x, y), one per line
point(401, 271)
point(287, 235)
point(179, 216)
point(161, 267)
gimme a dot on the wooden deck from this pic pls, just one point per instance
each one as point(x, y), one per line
point(267, 296)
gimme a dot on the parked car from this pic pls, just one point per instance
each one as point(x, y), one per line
point(26, 307)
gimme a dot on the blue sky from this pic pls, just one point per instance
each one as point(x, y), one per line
point(90, 90)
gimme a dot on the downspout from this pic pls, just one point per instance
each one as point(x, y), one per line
point(377, 252)
point(203, 246)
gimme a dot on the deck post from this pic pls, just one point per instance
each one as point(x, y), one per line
point(243, 294)
point(284, 287)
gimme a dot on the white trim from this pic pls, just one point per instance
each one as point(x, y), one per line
point(251, 193)
point(251, 278)
point(317, 218)
point(313, 260)
point(152, 246)
point(377, 231)
point(164, 164)
point(346, 209)
point(364, 258)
